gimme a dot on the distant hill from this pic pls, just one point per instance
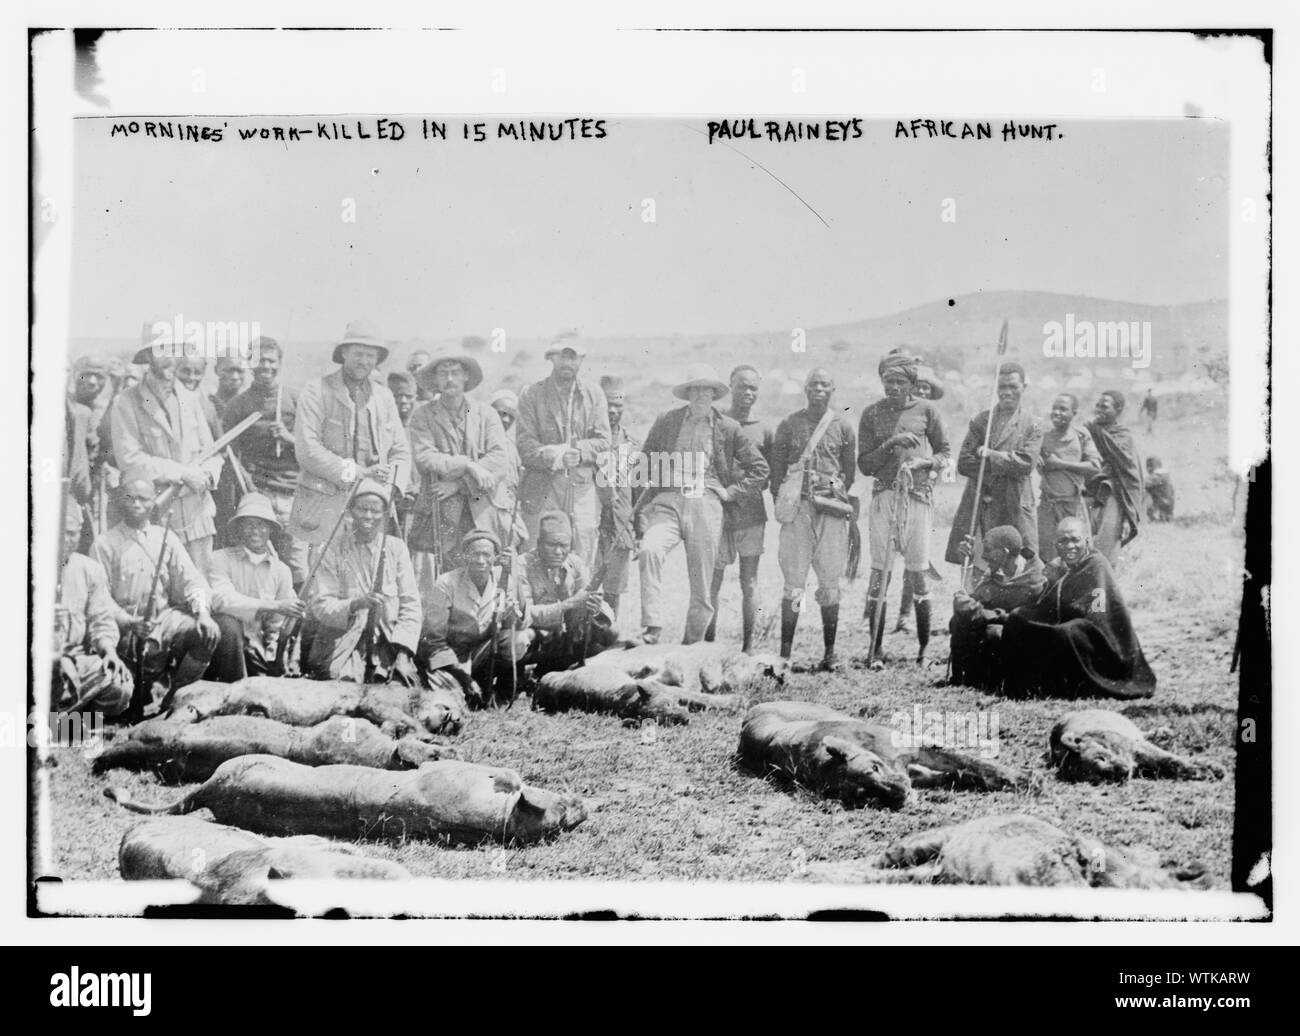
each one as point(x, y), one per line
point(955, 336)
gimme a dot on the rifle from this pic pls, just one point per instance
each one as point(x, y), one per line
point(437, 536)
point(589, 619)
point(286, 649)
point(135, 711)
point(503, 585)
point(177, 489)
point(569, 492)
point(988, 433)
point(372, 618)
point(494, 629)
point(101, 501)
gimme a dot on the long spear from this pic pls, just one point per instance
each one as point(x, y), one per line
point(984, 454)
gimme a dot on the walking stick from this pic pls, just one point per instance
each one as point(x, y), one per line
point(988, 432)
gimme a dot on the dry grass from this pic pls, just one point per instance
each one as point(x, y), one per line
point(677, 807)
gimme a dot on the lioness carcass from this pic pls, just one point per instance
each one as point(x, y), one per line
point(856, 761)
point(1004, 849)
point(710, 668)
point(235, 867)
point(192, 751)
point(594, 688)
point(446, 799)
point(1101, 745)
point(396, 710)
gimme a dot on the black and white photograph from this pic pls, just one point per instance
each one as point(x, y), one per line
point(531, 499)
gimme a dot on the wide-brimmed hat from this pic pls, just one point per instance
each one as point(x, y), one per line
point(701, 374)
point(255, 505)
point(361, 332)
point(507, 397)
point(150, 340)
point(473, 371)
point(565, 340)
point(925, 374)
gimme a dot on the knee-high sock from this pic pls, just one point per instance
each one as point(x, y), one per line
point(921, 595)
point(830, 626)
point(789, 620)
point(748, 599)
point(715, 588)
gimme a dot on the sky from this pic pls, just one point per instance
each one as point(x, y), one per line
point(453, 237)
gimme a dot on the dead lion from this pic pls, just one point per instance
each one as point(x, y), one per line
point(710, 668)
point(231, 866)
point(856, 761)
point(1100, 745)
point(446, 799)
point(594, 688)
point(192, 751)
point(396, 710)
point(1006, 849)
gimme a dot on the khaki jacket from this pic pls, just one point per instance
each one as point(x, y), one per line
point(144, 437)
point(325, 441)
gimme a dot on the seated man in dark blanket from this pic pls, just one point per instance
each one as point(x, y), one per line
point(1076, 640)
point(1015, 578)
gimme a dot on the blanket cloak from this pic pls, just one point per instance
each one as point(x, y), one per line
point(1076, 640)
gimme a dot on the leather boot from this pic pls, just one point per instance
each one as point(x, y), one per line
point(830, 626)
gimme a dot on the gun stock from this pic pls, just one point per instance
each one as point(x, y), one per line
point(177, 489)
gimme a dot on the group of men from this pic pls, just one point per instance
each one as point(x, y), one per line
point(385, 528)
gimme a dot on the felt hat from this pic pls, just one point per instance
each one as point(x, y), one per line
point(255, 505)
point(925, 374)
point(371, 487)
point(565, 340)
point(401, 379)
point(480, 534)
point(507, 397)
point(557, 520)
point(701, 374)
point(473, 371)
point(612, 386)
point(361, 332)
point(157, 337)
